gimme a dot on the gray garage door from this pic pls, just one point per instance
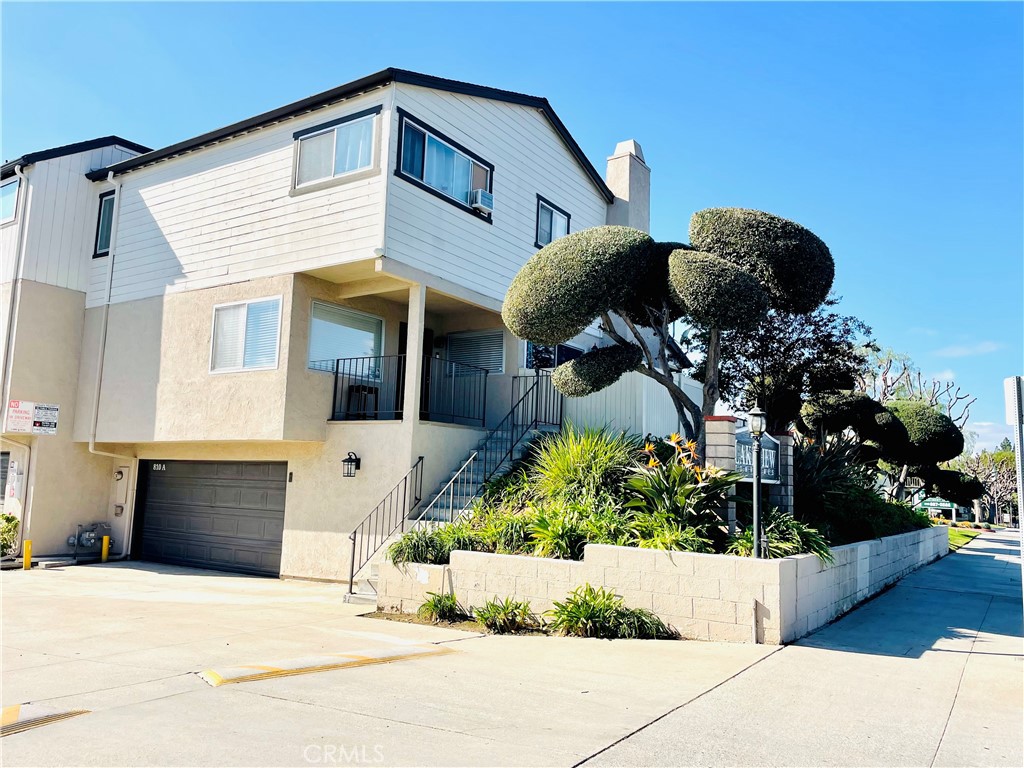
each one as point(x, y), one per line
point(213, 514)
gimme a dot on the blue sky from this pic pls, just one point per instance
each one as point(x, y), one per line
point(895, 132)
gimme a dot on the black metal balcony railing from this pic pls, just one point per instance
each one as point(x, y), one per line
point(373, 388)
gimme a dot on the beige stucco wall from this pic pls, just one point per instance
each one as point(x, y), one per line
point(65, 485)
point(157, 384)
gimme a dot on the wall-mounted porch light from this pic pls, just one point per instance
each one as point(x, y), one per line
point(351, 464)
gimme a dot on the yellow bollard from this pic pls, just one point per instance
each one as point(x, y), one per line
point(26, 550)
point(106, 549)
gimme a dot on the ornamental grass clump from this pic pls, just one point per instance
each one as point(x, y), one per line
point(600, 613)
point(440, 607)
point(508, 616)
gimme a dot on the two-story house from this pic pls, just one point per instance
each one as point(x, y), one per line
point(257, 308)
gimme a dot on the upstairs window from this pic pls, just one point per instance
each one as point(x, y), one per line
point(336, 149)
point(438, 164)
point(337, 332)
point(246, 335)
point(9, 200)
point(104, 221)
point(552, 222)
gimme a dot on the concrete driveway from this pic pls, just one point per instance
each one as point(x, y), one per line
point(929, 673)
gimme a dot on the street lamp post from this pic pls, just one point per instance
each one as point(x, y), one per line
point(758, 423)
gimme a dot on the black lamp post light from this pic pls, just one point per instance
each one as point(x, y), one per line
point(758, 424)
point(351, 464)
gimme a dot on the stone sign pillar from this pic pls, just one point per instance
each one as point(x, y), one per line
point(781, 494)
point(721, 448)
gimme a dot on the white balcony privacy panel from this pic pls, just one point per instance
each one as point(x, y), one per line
point(336, 332)
point(484, 349)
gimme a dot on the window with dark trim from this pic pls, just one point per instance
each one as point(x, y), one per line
point(552, 222)
point(549, 356)
point(104, 222)
point(336, 149)
point(437, 164)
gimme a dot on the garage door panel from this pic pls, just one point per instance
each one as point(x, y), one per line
point(227, 515)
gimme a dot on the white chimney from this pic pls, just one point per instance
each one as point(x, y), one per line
point(629, 179)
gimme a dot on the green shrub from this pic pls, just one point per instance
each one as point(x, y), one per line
point(558, 533)
point(790, 261)
point(505, 531)
point(458, 535)
point(680, 490)
point(595, 370)
point(661, 533)
point(506, 616)
point(569, 282)
point(933, 435)
point(784, 536)
point(441, 607)
point(581, 465)
point(416, 546)
point(716, 292)
point(8, 533)
point(590, 612)
point(655, 292)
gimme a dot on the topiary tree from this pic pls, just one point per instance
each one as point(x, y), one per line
point(739, 264)
point(903, 438)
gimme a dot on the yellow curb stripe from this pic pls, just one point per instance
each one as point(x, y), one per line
point(216, 680)
point(19, 727)
point(10, 714)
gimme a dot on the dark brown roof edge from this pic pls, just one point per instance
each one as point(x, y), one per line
point(349, 90)
point(7, 169)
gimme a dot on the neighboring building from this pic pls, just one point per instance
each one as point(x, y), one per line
point(260, 302)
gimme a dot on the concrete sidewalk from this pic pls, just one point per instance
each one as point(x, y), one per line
point(929, 673)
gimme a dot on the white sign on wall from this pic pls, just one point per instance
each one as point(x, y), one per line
point(24, 417)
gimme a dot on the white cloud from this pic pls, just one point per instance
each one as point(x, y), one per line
point(968, 350)
point(988, 434)
point(946, 374)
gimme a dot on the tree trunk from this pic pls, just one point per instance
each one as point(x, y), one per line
point(711, 392)
point(977, 510)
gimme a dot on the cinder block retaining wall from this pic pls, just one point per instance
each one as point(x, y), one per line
point(705, 597)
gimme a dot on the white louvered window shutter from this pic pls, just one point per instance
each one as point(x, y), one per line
point(484, 349)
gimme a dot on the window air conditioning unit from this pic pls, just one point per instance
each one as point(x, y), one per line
point(482, 200)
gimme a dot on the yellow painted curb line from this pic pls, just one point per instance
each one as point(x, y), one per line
point(21, 717)
point(241, 673)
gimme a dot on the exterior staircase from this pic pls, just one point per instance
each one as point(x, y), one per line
point(537, 409)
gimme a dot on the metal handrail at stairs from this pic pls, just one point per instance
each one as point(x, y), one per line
point(538, 404)
point(385, 519)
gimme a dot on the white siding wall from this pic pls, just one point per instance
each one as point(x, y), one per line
point(634, 403)
point(224, 214)
point(61, 219)
point(529, 159)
